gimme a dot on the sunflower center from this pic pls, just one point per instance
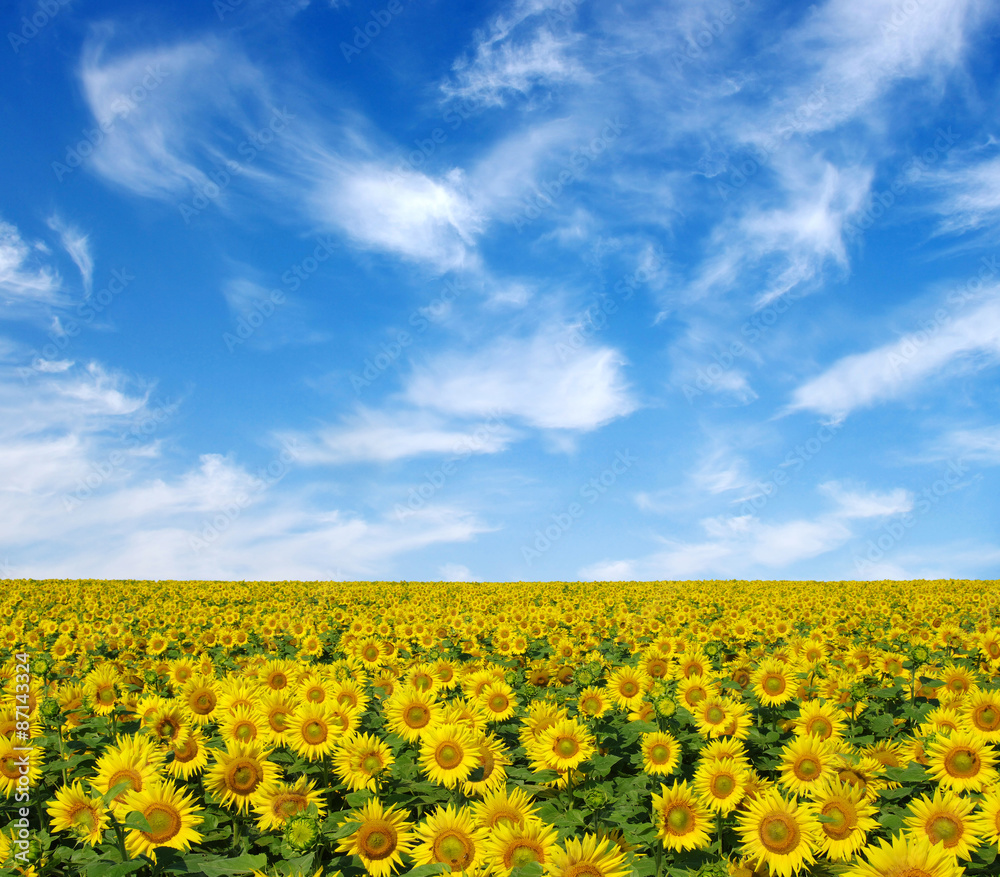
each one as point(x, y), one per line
point(567, 747)
point(277, 720)
point(454, 849)
point(377, 841)
point(106, 695)
point(660, 753)
point(522, 854)
point(277, 681)
point(203, 703)
point(807, 768)
point(314, 732)
point(591, 705)
point(315, 695)
point(448, 755)
point(819, 727)
point(371, 764)
point(778, 833)
point(245, 731)
point(498, 703)
point(629, 688)
point(723, 785)
point(944, 828)
point(127, 773)
point(422, 681)
point(774, 685)
point(962, 763)
point(715, 715)
point(243, 777)
point(986, 718)
point(370, 653)
point(289, 805)
point(417, 716)
point(843, 815)
point(83, 818)
point(680, 819)
point(164, 823)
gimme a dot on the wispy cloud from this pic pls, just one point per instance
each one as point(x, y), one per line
point(23, 280)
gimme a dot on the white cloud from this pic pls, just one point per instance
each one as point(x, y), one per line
point(735, 545)
point(380, 437)
point(980, 445)
point(865, 379)
point(455, 572)
point(970, 196)
point(22, 280)
point(540, 380)
point(77, 245)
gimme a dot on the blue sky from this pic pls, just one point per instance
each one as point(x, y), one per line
point(500, 291)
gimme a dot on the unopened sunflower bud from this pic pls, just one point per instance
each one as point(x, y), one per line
point(301, 832)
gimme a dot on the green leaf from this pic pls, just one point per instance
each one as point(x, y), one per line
point(531, 870)
point(987, 854)
point(108, 869)
point(138, 821)
point(425, 870)
point(115, 791)
point(912, 773)
point(213, 867)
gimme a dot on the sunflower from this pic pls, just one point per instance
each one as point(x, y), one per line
point(563, 746)
point(451, 837)
point(958, 680)
point(277, 674)
point(360, 759)
point(314, 688)
point(137, 760)
point(190, 757)
point(101, 689)
point(594, 856)
point(276, 803)
point(980, 712)
point(906, 856)
point(504, 807)
point(712, 715)
point(200, 695)
point(962, 761)
point(943, 719)
point(369, 650)
point(234, 693)
point(946, 819)
point(989, 817)
point(820, 719)
point(739, 724)
point(238, 772)
point(773, 682)
point(660, 753)
point(720, 783)
point(513, 846)
point(423, 678)
point(313, 730)
point(682, 821)
point(491, 761)
point(448, 754)
point(805, 764)
point(541, 714)
point(627, 686)
point(861, 771)
point(380, 838)
point(172, 817)
point(498, 700)
point(726, 747)
point(411, 713)
point(691, 692)
point(780, 833)
point(593, 702)
point(168, 723)
point(349, 693)
point(77, 812)
point(849, 818)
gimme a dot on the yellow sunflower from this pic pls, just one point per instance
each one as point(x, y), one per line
point(989, 817)
point(238, 772)
point(563, 746)
point(410, 713)
point(489, 771)
point(360, 759)
point(660, 753)
point(774, 682)
point(450, 836)
point(512, 845)
point(380, 839)
point(504, 807)
point(945, 819)
point(593, 702)
point(190, 756)
point(276, 803)
point(448, 754)
point(172, 817)
point(980, 712)
point(593, 856)
point(712, 715)
point(780, 833)
point(200, 696)
point(498, 701)
point(75, 811)
point(850, 816)
point(963, 762)
point(274, 710)
point(720, 783)
point(626, 687)
point(906, 856)
point(137, 760)
point(806, 763)
point(682, 821)
point(311, 730)
point(820, 719)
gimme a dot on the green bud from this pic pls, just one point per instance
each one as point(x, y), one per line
point(301, 832)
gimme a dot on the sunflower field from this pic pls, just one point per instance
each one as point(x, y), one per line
point(568, 729)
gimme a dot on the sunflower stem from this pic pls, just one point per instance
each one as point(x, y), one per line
point(659, 860)
point(718, 831)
